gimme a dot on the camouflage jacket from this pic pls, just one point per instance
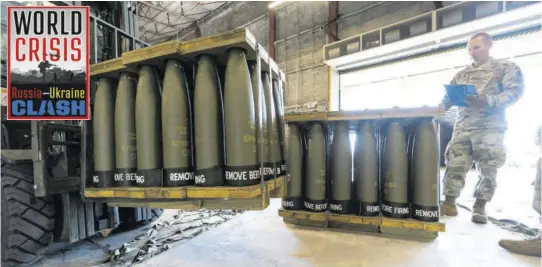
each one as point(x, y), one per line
point(538, 137)
point(501, 82)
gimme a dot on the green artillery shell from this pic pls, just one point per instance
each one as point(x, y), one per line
point(148, 128)
point(259, 104)
point(316, 166)
point(341, 170)
point(125, 130)
point(272, 130)
point(294, 199)
point(176, 127)
point(395, 173)
point(208, 124)
point(366, 171)
point(104, 133)
point(279, 109)
point(425, 172)
point(241, 163)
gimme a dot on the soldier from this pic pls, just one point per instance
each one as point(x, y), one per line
point(43, 66)
point(530, 247)
point(480, 128)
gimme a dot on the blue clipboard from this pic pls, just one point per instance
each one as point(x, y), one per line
point(457, 92)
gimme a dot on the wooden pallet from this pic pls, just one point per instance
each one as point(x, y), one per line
point(406, 228)
point(254, 197)
point(153, 55)
point(219, 44)
point(216, 45)
point(110, 68)
point(183, 192)
point(365, 115)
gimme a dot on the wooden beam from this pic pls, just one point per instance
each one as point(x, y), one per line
point(272, 36)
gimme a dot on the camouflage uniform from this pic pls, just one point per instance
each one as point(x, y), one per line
point(538, 180)
point(530, 246)
point(479, 132)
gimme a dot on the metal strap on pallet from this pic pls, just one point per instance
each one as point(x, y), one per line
point(259, 132)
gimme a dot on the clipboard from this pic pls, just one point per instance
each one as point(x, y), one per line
point(457, 92)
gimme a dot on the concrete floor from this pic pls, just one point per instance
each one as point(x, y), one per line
point(513, 197)
point(262, 239)
point(97, 251)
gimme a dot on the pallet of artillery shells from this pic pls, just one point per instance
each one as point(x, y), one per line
point(365, 114)
point(182, 197)
point(408, 228)
point(254, 197)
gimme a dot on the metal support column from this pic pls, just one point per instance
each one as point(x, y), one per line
point(135, 22)
point(127, 17)
point(272, 36)
point(115, 44)
point(332, 31)
point(332, 25)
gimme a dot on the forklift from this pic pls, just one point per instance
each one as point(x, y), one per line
point(42, 170)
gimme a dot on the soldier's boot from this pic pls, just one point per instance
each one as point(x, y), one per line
point(528, 247)
point(479, 212)
point(448, 207)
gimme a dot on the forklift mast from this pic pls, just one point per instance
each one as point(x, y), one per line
point(61, 151)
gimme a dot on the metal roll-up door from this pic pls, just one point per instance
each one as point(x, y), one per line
point(420, 77)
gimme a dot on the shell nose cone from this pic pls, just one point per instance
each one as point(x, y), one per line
point(240, 122)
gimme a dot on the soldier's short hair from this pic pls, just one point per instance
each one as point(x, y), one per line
point(487, 38)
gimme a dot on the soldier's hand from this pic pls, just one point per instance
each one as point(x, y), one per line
point(445, 104)
point(480, 101)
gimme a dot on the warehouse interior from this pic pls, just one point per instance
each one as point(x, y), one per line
point(300, 37)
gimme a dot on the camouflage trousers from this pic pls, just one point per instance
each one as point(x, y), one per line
point(536, 198)
point(483, 147)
